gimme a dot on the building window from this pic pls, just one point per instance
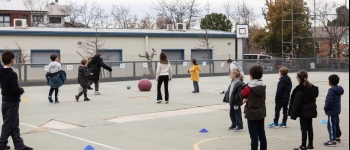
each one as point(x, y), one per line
point(5, 20)
point(111, 55)
point(202, 54)
point(38, 18)
point(39, 56)
point(55, 20)
point(174, 54)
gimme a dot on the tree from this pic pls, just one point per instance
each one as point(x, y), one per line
point(149, 58)
point(38, 8)
point(147, 22)
point(215, 21)
point(91, 47)
point(75, 11)
point(21, 58)
point(177, 11)
point(270, 37)
point(342, 17)
point(122, 18)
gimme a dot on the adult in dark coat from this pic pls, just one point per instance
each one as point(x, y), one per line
point(94, 67)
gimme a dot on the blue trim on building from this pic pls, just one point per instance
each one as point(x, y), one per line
point(182, 51)
point(111, 34)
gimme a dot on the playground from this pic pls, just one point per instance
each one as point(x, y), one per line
point(122, 119)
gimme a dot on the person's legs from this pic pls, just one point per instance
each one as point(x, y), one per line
point(83, 91)
point(10, 125)
point(310, 132)
point(16, 136)
point(331, 125)
point(232, 117)
point(285, 112)
point(254, 134)
point(278, 108)
point(166, 88)
point(337, 125)
point(159, 86)
point(194, 86)
point(262, 134)
point(96, 85)
point(50, 94)
point(238, 117)
point(56, 94)
point(303, 128)
point(197, 87)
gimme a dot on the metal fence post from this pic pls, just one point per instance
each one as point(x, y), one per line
point(134, 68)
point(176, 68)
point(213, 62)
point(110, 73)
point(25, 73)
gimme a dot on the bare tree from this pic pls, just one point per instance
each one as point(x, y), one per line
point(205, 44)
point(122, 18)
point(91, 47)
point(39, 9)
point(147, 22)
point(75, 11)
point(178, 11)
point(149, 58)
point(21, 58)
point(337, 33)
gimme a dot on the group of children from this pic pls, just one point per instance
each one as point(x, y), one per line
point(300, 104)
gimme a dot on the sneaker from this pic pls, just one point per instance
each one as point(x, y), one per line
point(300, 148)
point(273, 125)
point(283, 125)
point(56, 101)
point(97, 93)
point(159, 101)
point(232, 128)
point(310, 147)
point(89, 88)
point(330, 144)
point(77, 98)
point(166, 102)
point(24, 148)
point(194, 92)
point(86, 99)
point(338, 140)
point(50, 100)
point(239, 130)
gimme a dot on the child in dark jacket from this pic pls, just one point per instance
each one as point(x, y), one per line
point(303, 105)
point(233, 97)
point(83, 75)
point(254, 95)
point(11, 98)
point(284, 88)
point(55, 77)
point(332, 108)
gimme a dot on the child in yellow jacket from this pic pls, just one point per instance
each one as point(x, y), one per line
point(195, 75)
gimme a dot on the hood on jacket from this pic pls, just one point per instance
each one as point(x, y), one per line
point(197, 67)
point(95, 60)
point(312, 92)
point(286, 80)
point(81, 68)
point(257, 87)
point(255, 83)
point(338, 90)
point(4, 71)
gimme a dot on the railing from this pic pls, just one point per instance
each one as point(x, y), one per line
point(134, 70)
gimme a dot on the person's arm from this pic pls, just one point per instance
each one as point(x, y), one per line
point(245, 92)
point(192, 69)
point(86, 73)
point(59, 66)
point(279, 90)
point(158, 71)
point(170, 72)
point(104, 66)
point(14, 84)
point(237, 96)
point(297, 105)
point(329, 101)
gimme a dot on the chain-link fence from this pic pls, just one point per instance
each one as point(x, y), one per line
point(36, 72)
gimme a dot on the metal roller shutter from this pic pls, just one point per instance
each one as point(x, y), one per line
point(174, 54)
point(202, 54)
point(41, 56)
point(111, 55)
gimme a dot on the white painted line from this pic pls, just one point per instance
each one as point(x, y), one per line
point(165, 114)
point(213, 91)
point(74, 137)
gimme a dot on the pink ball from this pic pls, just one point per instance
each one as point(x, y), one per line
point(145, 85)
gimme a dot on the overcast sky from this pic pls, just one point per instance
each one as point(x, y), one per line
point(141, 7)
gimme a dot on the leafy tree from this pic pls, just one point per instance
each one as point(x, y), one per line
point(342, 17)
point(215, 21)
point(270, 37)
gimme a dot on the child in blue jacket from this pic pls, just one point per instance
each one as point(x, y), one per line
point(55, 77)
point(332, 108)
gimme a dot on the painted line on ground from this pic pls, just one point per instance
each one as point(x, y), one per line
point(213, 91)
point(74, 137)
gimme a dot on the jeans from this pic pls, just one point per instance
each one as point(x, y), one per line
point(333, 127)
point(306, 130)
point(56, 93)
point(83, 92)
point(196, 87)
point(278, 107)
point(10, 126)
point(96, 84)
point(236, 117)
point(257, 133)
point(162, 79)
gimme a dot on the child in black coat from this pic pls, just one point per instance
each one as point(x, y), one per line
point(303, 105)
point(233, 96)
point(83, 80)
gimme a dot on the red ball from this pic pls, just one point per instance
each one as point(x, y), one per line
point(145, 85)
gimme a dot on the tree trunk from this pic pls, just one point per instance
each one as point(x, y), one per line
point(150, 68)
point(19, 73)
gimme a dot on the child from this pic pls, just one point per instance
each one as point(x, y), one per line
point(11, 97)
point(284, 88)
point(303, 105)
point(234, 65)
point(333, 108)
point(233, 97)
point(254, 95)
point(55, 77)
point(163, 74)
point(83, 80)
point(195, 75)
